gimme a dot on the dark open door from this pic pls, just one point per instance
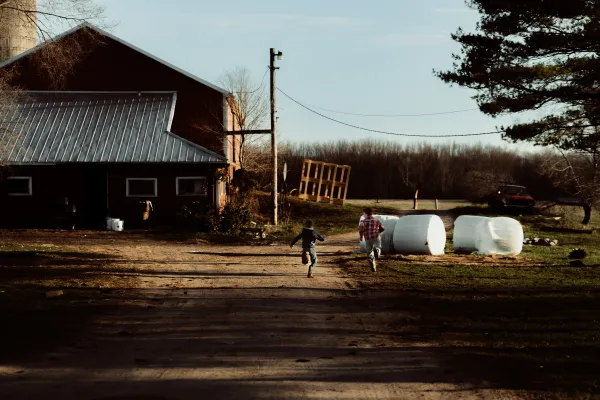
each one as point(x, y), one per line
point(95, 199)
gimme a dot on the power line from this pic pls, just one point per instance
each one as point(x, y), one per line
point(393, 115)
point(384, 132)
point(262, 82)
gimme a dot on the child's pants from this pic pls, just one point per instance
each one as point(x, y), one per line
point(312, 252)
point(373, 245)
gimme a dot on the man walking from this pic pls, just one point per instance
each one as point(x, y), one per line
point(369, 229)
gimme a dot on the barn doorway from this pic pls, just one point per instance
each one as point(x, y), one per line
point(95, 197)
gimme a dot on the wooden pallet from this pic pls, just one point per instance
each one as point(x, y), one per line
point(324, 182)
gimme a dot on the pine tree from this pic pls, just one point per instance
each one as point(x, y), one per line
point(542, 56)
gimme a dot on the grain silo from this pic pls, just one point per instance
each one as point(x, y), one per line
point(17, 27)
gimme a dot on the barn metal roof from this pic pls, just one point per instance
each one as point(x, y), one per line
point(96, 127)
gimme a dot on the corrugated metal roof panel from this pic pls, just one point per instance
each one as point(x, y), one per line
point(77, 127)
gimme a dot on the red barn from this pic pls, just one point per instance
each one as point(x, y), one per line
point(125, 127)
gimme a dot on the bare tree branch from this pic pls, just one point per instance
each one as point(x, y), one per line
point(249, 109)
point(23, 23)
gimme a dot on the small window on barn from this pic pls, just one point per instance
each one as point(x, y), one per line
point(142, 187)
point(19, 186)
point(191, 186)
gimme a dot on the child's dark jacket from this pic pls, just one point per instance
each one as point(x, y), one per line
point(309, 236)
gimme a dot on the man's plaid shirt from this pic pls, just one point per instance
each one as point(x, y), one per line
point(369, 228)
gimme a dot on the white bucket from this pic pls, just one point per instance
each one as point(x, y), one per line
point(420, 234)
point(111, 223)
point(120, 226)
point(465, 232)
point(117, 225)
point(500, 236)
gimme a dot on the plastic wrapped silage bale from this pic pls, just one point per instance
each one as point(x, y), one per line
point(420, 234)
point(499, 236)
point(465, 233)
point(387, 237)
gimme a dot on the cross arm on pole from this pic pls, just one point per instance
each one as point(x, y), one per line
point(249, 132)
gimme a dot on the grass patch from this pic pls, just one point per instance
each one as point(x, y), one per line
point(529, 323)
point(534, 329)
point(556, 222)
point(329, 219)
point(403, 205)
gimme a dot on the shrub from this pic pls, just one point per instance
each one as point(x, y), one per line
point(245, 181)
point(236, 214)
point(198, 217)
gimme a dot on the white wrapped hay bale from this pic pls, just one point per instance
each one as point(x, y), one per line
point(499, 236)
point(387, 243)
point(465, 232)
point(387, 237)
point(420, 234)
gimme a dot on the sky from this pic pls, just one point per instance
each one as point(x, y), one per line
point(342, 55)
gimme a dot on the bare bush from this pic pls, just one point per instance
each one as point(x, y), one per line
point(577, 173)
point(479, 185)
point(249, 109)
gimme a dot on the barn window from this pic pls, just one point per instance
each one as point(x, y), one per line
point(142, 187)
point(19, 186)
point(191, 186)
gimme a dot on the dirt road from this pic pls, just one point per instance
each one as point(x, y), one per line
point(232, 322)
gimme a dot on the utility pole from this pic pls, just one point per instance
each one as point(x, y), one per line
point(272, 67)
point(273, 131)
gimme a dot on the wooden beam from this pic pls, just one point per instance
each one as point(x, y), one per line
point(320, 182)
point(348, 170)
point(249, 132)
point(328, 182)
point(304, 179)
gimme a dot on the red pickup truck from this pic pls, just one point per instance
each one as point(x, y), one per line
point(512, 196)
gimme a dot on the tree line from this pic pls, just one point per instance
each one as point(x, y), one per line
point(391, 170)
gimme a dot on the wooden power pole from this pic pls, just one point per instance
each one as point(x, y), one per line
point(272, 131)
point(273, 68)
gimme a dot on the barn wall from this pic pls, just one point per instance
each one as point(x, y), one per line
point(97, 191)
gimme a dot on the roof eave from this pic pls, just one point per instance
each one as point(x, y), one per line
point(204, 149)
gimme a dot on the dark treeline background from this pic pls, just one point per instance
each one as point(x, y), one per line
point(390, 170)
